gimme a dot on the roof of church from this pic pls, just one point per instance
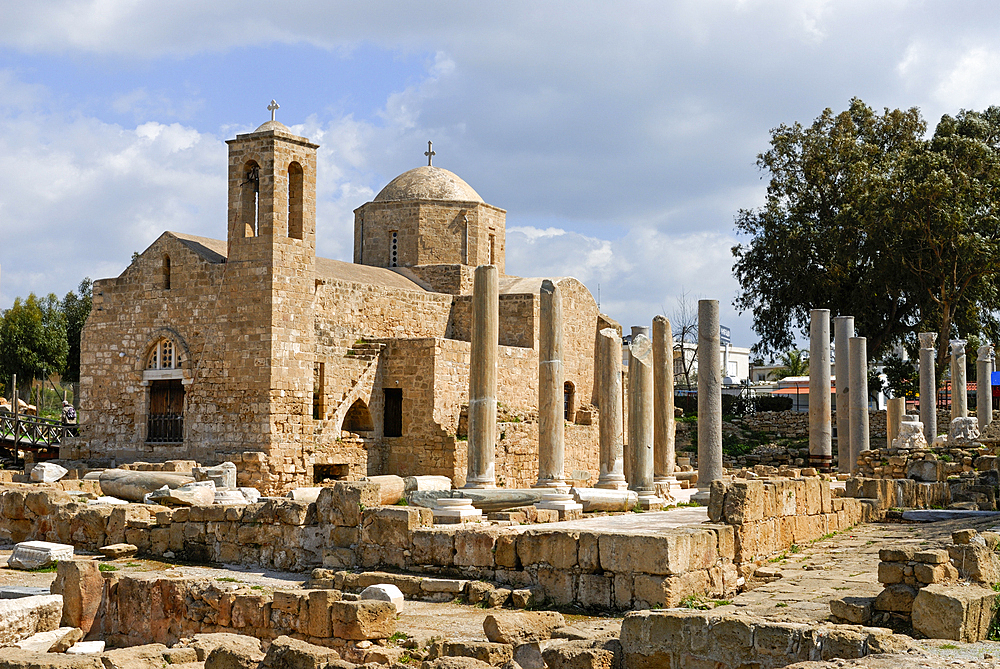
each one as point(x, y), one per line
point(212, 250)
point(428, 183)
point(517, 285)
point(379, 276)
point(215, 250)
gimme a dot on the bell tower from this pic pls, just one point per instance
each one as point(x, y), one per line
point(272, 192)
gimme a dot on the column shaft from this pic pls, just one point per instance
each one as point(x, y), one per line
point(959, 380)
point(483, 378)
point(609, 403)
point(843, 331)
point(984, 386)
point(820, 430)
point(551, 454)
point(859, 398)
point(709, 398)
point(663, 400)
point(928, 385)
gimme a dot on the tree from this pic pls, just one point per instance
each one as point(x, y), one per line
point(793, 363)
point(33, 339)
point(901, 376)
point(865, 216)
point(76, 308)
point(684, 323)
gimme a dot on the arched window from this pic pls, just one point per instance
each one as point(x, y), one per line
point(249, 199)
point(162, 356)
point(166, 272)
point(569, 401)
point(295, 203)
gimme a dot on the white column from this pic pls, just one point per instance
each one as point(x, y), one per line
point(959, 380)
point(928, 385)
point(709, 400)
point(843, 327)
point(609, 403)
point(984, 386)
point(859, 398)
point(820, 429)
point(483, 378)
point(551, 421)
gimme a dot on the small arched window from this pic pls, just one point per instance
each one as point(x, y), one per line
point(162, 356)
point(295, 178)
point(166, 272)
point(250, 200)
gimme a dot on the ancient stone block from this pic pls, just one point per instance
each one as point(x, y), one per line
point(854, 610)
point(594, 591)
point(958, 612)
point(343, 503)
point(896, 598)
point(433, 546)
point(896, 554)
point(556, 548)
point(934, 556)
point(975, 562)
point(515, 628)
point(81, 585)
point(935, 573)
point(288, 653)
point(363, 620)
point(474, 546)
point(890, 572)
point(320, 621)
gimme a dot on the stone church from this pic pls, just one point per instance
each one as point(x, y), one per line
point(302, 369)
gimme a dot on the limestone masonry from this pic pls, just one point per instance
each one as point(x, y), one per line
point(318, 369)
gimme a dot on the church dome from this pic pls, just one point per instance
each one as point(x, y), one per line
point(428, 183)
point(277, 126)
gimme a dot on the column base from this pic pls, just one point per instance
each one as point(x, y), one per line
point(612, 483)
point(552, 484)
point(649, 501)
point(483, 485)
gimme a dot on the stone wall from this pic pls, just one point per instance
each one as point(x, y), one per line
point(769, 516)
point(895, 462)
point(517, 452)
point(899, 493)
point(654, 639)
point(346, 529)
point(795, 424)
point(153, 609)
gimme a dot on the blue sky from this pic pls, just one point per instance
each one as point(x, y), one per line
point(621, 139)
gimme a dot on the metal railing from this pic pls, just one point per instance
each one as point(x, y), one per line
point(165, 428)
point(34, 432)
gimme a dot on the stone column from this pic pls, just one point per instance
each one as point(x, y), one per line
point(709, 399)
point(859, 398)
point(959, 382)
point(640, 420)
point(820, 429)
point(483, 378)
point(843, 330)
point(894, 412)
point(609, 403)
point(984, 386)
point(928, 385)
point(551, 465)
point(663, 401)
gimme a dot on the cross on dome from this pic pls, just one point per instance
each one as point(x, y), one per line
point(273, 107)
point(430, 153)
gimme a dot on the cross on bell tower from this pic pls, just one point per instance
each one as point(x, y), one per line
point(430, 153)
point(273, 107)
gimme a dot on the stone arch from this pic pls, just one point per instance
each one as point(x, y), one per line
point(296, 178)
point(358, 418)
point(182, 352)
point(249, 211)
point(569, 401)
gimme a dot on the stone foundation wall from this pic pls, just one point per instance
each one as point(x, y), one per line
point(795, 424)
point(899, 493)
point(698, 639)
point(139, 610)
point(769, 516)
point(517, 452)
point(346, 529)
point(893, 463)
